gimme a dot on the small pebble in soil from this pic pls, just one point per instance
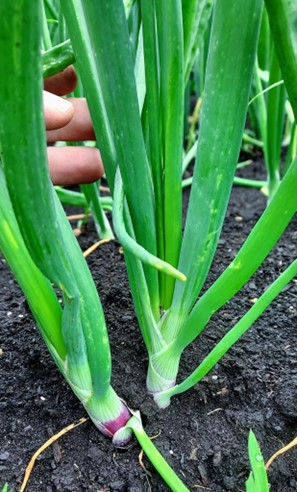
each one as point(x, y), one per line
point(230, 483)
point(4, 456)
point(203, 474)
point(217, 457)
point(118, 486)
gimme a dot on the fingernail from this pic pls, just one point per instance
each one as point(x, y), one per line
point(57, 103)
point(63, 105)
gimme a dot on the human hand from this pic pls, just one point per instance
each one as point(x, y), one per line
point(69, 120)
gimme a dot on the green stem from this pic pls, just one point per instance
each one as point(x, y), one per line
point(292, 149)
point(196, 15)
point(191, 154)
point(69, 197)
point(262, 111)
point(252, 183)
point(91, 192)
point(253, 141)
point(275, 123)
point(148, 13)
point(170, 40)
point(47, 43)
point(56, 59)
point(129, 243)
point(155, 457)
point(282, 18)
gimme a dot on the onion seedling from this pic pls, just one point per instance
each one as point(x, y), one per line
point(150, 173)
point(145, 143)
point(36, 238)
point(257, 481)
point(269, 109)
point(269, 112)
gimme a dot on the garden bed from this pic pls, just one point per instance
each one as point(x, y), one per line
point(203, 434)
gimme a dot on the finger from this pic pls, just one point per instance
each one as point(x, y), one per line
point(74, 165)
point(63, 83)
point(57, 111)
point(80, 127)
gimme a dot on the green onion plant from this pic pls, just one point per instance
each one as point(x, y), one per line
point(135, 61)
point(270, 111)
point(271, 120)
point(146, 154)
point(36, 238)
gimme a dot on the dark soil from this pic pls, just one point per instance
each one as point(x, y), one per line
point(203, 434)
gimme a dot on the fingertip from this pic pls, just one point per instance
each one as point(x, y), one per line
point(63, 83)
point(80, 127)
point(74, 165)
point(58, 111)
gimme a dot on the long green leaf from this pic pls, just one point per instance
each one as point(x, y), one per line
point(283, 18)
point(196, 14)
point(38, 290)
point(264, 45)
point(223, 116)
point(129, 243)
point(231, 336)
point(276, 99)
point(148, 14)
point(108, 79)
point(170, 40)
point(257, 246)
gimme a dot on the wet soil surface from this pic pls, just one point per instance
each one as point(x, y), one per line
point(203, 434)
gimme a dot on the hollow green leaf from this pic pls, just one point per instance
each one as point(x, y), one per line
point(164, 469)
point(108, 79)
point(224, 109)
point(170, 49)
point(257, 246)
point(231, 336)
point(283, 18)
point(196, 15)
